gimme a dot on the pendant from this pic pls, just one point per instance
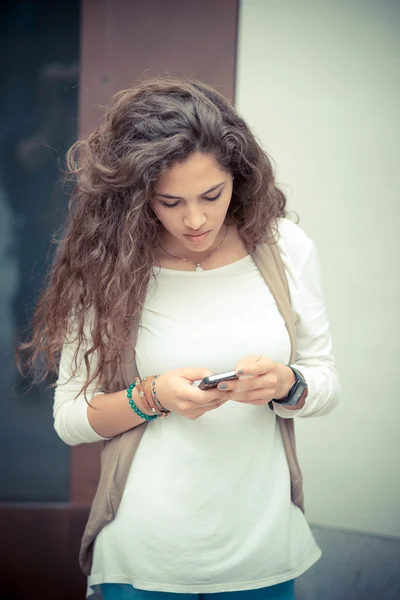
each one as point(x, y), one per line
point(198, 267)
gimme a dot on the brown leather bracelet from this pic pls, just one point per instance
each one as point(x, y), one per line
point(141, 388)
point(147, 381)
point(163, 412)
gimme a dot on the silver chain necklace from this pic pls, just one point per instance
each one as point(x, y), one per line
point(193, 262)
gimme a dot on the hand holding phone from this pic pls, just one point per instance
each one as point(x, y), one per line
point(176, 392)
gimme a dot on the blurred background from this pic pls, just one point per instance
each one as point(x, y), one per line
point(319, 82)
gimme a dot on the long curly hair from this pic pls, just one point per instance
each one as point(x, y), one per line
point(99, 276)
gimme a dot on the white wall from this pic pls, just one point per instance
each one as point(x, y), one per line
point(319, 81)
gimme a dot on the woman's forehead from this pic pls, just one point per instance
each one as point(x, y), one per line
point(198, 170)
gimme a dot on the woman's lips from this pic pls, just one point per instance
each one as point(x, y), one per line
point(197, 239)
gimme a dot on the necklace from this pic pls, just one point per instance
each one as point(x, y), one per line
point(193, 262)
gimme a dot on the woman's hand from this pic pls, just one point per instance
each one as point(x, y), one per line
point(177, 394)
point(260, 381)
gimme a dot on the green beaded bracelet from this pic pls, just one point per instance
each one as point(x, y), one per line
point(134, 407)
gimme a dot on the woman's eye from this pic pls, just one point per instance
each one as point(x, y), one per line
point(169, 205)
point(212, 199)
point(208, 198)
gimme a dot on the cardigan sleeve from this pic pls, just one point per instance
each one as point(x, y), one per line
point(314, 357)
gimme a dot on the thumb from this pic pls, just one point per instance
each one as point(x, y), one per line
point(193, 373)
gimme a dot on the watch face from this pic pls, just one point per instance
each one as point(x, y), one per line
point(298, 391)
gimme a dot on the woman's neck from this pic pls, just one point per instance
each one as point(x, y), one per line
point(172, 256)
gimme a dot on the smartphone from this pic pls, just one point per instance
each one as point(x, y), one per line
point(213, 380)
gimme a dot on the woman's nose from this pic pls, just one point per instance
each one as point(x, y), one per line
point(194, 219)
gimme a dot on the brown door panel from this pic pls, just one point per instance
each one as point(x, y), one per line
point(39, 552)
point(123, 42)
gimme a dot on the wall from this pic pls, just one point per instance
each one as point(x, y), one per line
point(320, 84)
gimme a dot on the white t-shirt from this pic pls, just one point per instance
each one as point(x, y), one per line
point(207, 506)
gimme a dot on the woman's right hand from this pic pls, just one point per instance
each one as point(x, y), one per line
point(176, 393)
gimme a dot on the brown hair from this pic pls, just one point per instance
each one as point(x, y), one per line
point(104, 261)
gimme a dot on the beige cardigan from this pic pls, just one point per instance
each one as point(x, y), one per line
point(118, 453)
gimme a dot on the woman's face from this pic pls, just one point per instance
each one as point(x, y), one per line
point(191, 201)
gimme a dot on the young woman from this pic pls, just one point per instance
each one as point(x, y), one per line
point(173, 196)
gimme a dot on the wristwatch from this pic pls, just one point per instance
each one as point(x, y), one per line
point(297, 392)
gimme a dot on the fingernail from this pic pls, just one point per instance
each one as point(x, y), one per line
point(240, 372)
point(222, 386)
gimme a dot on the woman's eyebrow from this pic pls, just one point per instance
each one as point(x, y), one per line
point(212, 189)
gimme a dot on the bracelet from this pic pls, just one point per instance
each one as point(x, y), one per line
point(163, 411)
point(133, 405)
point(153, 408)
point(142, 393)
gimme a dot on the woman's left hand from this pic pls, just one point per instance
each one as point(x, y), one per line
point(260, 381)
